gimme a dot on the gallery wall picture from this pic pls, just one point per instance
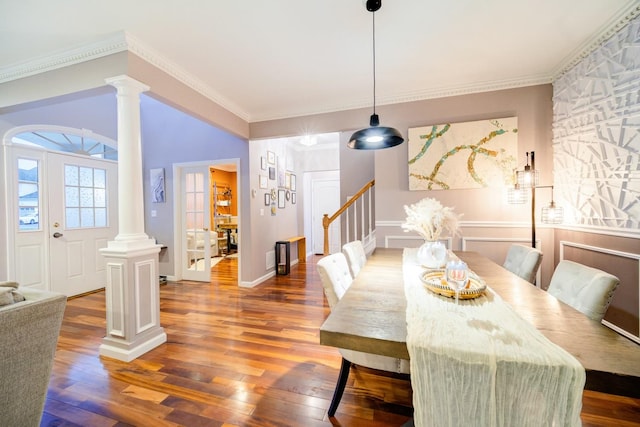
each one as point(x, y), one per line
point(157, 185)
point(473, 154)
point(263, 181)
point(281, 172)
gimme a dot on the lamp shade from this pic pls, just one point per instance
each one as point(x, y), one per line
point(517, 195)
point(552, 214)
point(528, 178)
point(375, 137)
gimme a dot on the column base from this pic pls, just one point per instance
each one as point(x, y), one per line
point(132, 300)
point(128, 351)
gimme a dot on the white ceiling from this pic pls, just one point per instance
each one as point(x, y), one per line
point(282, 58)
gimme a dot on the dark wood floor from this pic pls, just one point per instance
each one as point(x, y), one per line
point(236, 357)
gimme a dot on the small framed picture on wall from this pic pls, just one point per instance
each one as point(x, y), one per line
point(263, 163)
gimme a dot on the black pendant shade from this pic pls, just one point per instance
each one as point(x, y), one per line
point(375, 137)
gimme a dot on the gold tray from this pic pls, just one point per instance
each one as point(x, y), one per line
point(435, 282)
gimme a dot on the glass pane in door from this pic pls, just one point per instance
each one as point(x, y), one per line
point(195, 221)
point(28, 195)
point(85, 192)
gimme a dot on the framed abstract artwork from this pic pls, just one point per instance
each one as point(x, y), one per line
point(157, 185)
point(473, 154)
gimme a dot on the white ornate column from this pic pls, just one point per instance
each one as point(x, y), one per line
point(132, 291)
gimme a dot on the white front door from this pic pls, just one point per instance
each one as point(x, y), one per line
point(63, 209)
point(325, 200)
point(82, 218)
point(196, 237)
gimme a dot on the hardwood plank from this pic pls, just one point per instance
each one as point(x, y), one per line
point(236, 357)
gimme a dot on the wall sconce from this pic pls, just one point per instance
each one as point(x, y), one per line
point(529, 178)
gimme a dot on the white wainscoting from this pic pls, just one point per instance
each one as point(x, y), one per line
point(399, 241)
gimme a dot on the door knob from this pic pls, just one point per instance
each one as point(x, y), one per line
point(56, 234)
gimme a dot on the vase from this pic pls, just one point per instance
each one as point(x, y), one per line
point(432, 254)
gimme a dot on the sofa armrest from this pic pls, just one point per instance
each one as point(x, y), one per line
point(28, 337)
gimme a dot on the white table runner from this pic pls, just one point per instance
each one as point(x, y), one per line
point(480, 364)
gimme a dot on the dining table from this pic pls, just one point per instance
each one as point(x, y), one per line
point(512, 340)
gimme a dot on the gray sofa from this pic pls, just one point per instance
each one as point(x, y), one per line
point(29, 332)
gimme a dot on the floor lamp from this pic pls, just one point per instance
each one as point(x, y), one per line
point(528, 179)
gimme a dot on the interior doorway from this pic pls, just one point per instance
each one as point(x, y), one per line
point(324, 188)
point(207, 226)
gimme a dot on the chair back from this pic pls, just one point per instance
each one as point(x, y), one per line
point(586, 289)
point(523, 261)
point(356, 257)
point(335, 276)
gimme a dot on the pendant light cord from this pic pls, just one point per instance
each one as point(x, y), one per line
point(374, 61)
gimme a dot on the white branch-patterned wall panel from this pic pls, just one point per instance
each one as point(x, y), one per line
point(596, 135)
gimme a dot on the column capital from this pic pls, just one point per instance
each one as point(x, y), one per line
point(124, 82)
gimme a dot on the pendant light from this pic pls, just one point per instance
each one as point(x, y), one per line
point(375, 136)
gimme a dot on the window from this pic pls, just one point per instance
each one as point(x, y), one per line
point(69, 140)
point(85, 197)
point(28, 194)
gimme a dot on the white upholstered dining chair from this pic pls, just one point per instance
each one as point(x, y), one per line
point(356, 257)
point(336, 279)
point(523, 261)
point(586, 289)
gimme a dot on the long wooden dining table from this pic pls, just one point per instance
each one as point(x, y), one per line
point(371, 317)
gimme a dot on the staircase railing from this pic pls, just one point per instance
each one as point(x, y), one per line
point(359, 223)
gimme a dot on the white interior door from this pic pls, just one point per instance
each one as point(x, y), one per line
point(325, 200)
point(82, 217)
point(196, 237)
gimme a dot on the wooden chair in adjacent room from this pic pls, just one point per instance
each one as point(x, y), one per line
point(336, 278)
point(523, 261)
point(356, 256)
point(584, 288)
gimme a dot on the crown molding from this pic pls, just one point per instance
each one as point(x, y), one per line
point(154, 58)
point(114, 43)
point(608, 30)
point(443, 92)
